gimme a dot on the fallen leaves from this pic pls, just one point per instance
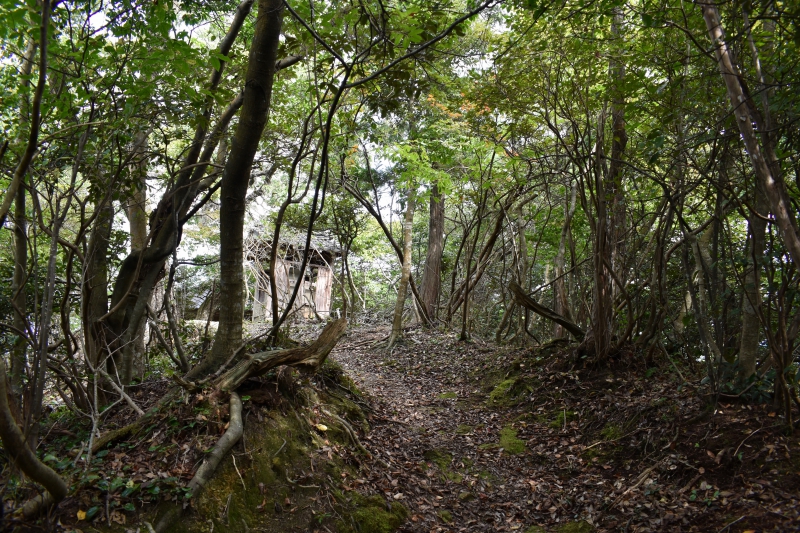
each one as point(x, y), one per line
point(428, 397)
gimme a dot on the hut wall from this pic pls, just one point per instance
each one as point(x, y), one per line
point(322, 293)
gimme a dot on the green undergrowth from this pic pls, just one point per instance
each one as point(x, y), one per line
point(557, 419)
point(509, 441)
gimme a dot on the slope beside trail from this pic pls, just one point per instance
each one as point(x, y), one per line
point(448, 445)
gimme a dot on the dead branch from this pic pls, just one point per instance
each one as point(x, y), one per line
point(309, 358)
point(529, 303)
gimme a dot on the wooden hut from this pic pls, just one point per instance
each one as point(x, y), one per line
point(314, 296)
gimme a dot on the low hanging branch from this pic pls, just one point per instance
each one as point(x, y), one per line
point(308, 357)
point(529, 303)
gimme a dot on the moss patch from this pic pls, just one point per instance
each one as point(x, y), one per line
point(280, 481)
point(441, 458)
point(448, 396)
point(576, 527)
point(509, 441)
point(370, 514)
point(500, 395)
point(611, 432)
point(536, 529)
point(562, 418)
point(463, 430)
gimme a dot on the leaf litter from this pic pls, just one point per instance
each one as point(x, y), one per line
point(475, 437)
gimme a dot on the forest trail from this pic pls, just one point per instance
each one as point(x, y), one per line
point(438, 448)
point(479, 437)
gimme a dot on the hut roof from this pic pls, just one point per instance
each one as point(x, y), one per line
point(292, 244)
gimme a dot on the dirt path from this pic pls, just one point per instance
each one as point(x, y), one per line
point(437, 447)
point(574, 452)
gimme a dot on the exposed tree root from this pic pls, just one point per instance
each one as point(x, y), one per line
point(309, 357)
point(350, 432)
point(209, 466)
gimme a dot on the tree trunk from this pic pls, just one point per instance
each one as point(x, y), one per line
point(19, 348)
point(18, 290)
point(236, 178)
point(140, 271)
point(402, 290)
point(762, 155)
point(521, 298)
point(751, 299)
point(457, 295)
point(20, 453)
point(560, 295)
point(45, 318)
point(94, 289)
point(137, 222)
point(522, 264)
point(602, 308)
point(614, 180)
point(432, 275)
point(387, 232)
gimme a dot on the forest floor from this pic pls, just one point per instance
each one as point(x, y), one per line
point(461, 436)
point(472, 437)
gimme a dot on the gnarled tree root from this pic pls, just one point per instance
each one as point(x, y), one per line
point(209, 466)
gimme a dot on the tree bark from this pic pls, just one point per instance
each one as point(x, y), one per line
point(137, 222)
point(402, 289)
point(18, 291)
point(614, 180)
point(522, 264)
point(560, 295)
point(602, 308)
point(762, 155)
point(432, 274)
point(94, 287)
point(236, 178)
point(757, 223)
